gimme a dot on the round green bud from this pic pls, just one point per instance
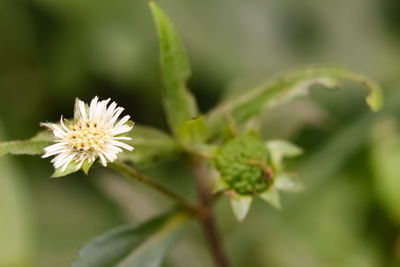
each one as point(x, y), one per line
point(242, 164)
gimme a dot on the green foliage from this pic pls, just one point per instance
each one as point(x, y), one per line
point(282, 89)
point(33, 146)
point(288, 183)
point(241, 206)
point(71, 168)
point(141, 246)
point(241, 163)
point(385, 160)
point(279, 149)
point(248, 166)
point(151, 145)
point(193, 133)
point(179, 104)
point(272, 197)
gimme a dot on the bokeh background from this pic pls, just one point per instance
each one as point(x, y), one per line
point(54, 50)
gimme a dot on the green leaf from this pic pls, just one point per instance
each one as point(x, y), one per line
point(240, 206)
point(385, 159)
point(193, 132)
point(33, 146)
point(71, 168)
point(150, 145)
point(220, 185)
point(287, 183)
point(86, 166)
point(279, 149)
point(272, 197)
point(141, 246)
point(179, 104)
point(282, 89)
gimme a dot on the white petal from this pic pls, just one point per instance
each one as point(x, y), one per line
point(103, 160)
point(110, 111)
point(101, 109)
point(63, 125)
point(92, 108)
point(80, 164)
point(122, 138)
point(57, 131)
point(82, 109)
point(68, 161)
point(119, 130)
point(121, 144)
point(62, 159)
point(110, 156)
point(112, 147)
point(55, 147)
point(123, 120)
point(55, 152)
point(115, 116)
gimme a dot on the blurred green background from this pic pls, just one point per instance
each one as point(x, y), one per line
point(54, 50)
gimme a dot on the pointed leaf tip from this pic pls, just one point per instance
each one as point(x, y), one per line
point(240, 206)
point(285, 182)
point(281, 89)
point(179, 105)
point(375, 100)
point(86, 166)
point(71, 168)
point(272, 197)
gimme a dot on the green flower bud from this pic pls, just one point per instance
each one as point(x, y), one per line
point(242, 163)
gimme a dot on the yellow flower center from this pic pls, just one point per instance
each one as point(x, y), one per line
point(87, 136)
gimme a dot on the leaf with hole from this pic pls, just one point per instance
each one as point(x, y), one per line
point(282, 89)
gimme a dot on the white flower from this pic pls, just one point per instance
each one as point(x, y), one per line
point(94, 133)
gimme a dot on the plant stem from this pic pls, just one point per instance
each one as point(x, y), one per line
point(134, 174)
point(207, 218)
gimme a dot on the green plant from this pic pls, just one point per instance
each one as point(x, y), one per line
point(247, 165)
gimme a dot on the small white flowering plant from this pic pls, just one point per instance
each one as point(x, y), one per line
point(219, 147)
point(95, 132)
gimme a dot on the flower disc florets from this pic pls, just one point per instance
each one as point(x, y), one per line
point(87, 135)
point(242, 163)
point(94, 133)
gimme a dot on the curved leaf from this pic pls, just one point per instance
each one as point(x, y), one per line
point(141, 246)
point(179, 104)
point(282, 89)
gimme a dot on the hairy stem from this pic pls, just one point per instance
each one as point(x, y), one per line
point(207, 218)
point(134, 174)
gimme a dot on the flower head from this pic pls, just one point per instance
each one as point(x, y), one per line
point(242, 162)
point(248, 168)
point(94, 133)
